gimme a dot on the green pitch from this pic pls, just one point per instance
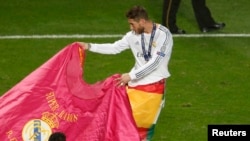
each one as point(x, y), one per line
point(209, 81)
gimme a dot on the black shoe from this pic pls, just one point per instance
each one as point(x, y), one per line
point(213, 27)
point(178, 31)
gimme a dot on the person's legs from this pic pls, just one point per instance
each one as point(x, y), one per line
point(204, 17)
point(170, 8)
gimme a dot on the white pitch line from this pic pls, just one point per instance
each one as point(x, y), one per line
point(111, 36)
point(211, 35)
point(58, 36)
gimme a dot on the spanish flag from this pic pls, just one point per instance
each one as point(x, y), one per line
point(54, 97)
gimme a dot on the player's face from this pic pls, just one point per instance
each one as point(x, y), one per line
point(136, 26)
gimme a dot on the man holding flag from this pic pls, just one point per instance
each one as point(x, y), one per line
point(151, 45)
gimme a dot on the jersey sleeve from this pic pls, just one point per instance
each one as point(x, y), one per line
point(111, 48)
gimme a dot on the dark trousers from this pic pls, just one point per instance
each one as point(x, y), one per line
point(201, 11)
point(170, 8)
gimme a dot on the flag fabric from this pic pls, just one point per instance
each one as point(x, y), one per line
point(54, 97)
point(147, 102)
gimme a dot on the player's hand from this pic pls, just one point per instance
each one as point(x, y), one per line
point(123, 80)
point(84, 45)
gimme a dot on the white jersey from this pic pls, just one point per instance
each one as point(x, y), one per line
point(143, 72)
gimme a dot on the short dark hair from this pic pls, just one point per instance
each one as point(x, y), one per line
point(137, 13)
point(57, 136)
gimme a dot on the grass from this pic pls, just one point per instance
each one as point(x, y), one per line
point(209, 76)
point(208, 86)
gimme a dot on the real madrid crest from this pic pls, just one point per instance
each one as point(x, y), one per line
point(40, 129)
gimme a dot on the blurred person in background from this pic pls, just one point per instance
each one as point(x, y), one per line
point(202, 13)
point(57, 136)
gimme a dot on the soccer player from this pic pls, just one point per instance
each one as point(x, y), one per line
point(151, 45)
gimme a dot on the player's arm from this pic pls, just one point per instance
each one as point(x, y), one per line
point(107, 48)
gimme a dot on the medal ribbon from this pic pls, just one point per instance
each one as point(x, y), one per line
point(147, 55)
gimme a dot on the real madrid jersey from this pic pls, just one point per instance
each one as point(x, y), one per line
point(143, 72)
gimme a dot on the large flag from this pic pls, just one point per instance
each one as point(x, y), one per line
point(54, 98)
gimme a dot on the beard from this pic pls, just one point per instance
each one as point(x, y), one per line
point(140, 30)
